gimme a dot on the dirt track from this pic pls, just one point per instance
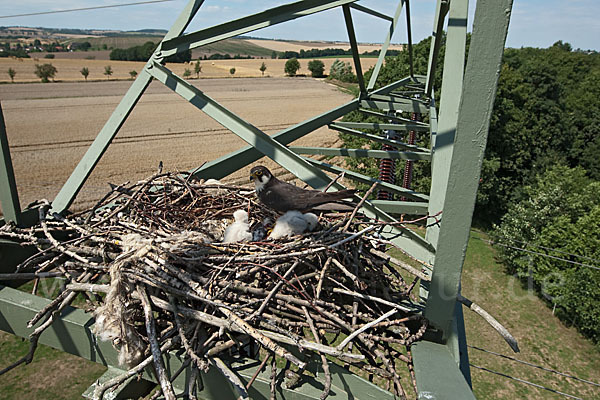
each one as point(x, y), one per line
point(50, 126)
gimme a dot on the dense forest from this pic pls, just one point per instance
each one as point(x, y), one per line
point(539, 193)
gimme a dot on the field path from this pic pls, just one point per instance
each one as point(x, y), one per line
point(50, 126)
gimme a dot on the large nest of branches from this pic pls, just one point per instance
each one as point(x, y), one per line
point(149, 261)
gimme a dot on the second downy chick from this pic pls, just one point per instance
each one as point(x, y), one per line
point(293, 223)
point(239, 230)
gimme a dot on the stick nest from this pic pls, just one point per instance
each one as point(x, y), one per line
point(149, 263)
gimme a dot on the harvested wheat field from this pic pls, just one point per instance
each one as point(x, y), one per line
point(290, 45)
point(68, 70)
point(50, 126)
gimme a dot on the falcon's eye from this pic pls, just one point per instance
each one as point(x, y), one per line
point(259, 173)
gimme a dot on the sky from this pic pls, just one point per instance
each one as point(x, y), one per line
point(534, 23)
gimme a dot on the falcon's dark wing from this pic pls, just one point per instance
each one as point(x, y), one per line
point(283, 196)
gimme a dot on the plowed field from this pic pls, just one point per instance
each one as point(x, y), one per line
point(50, 126)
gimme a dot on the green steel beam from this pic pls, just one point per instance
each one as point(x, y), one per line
point(442, 137)
point(9, 197)
point(379, 139)
point(396, 105)
point(131, 388)
point(72, 333)
point(405, 127)
point(437, 374)
point(409, 37)
point(369, 11)
point(356, 153)
point(457, 343)
point(411, 242)
point(393, 118)
point(97, 149)
point(354, 46)
point(11, 255)
point(433, 123)
point(82, 171)
point(406, 92)
point(419, 79)
point(235, 160)
point(441, 9)
point(385, 46)
point(483, 68)
point(301, 167)
point(344, 385)
point(443, 140)
point(355, 176)
point(401, 207)
point(248, 132)
point(396, 98)
point(247, 24)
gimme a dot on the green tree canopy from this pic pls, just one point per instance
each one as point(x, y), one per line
point(108, 71)
point(342, 71)
point(316, 68)
point(557, 215)
point(12, 73)
point(45, 72)
point(144, 52)
point(85, 72)
point(547, 111)
point(291, 67)
point(197, 68)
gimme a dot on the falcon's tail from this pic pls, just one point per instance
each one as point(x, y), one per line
point(340, 194)
point(335, 206)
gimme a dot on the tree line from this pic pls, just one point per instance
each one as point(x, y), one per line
point(539, 189)
point(328, 52)
point(144, 51)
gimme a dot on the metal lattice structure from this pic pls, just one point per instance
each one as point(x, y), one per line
point(457, 127)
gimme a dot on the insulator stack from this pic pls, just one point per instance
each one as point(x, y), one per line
point(387, 168)
point(408, 167)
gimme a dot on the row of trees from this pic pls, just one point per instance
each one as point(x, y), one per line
point(328, 52)
point(539, 187)
point(48, 71)
point(339, 70)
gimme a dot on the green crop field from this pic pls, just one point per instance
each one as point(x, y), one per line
point(121, 42)
point(229, 46)
point(543, 339)
point(236, 46)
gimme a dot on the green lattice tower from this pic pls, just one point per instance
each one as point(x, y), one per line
point(458, 129)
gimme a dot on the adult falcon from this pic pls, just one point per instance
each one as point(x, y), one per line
point(282, 196)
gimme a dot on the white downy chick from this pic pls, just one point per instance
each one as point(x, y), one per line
point(239, 230)
point(311, 221)
point(289, 224)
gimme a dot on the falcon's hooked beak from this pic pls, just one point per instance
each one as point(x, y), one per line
point(260, 180)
